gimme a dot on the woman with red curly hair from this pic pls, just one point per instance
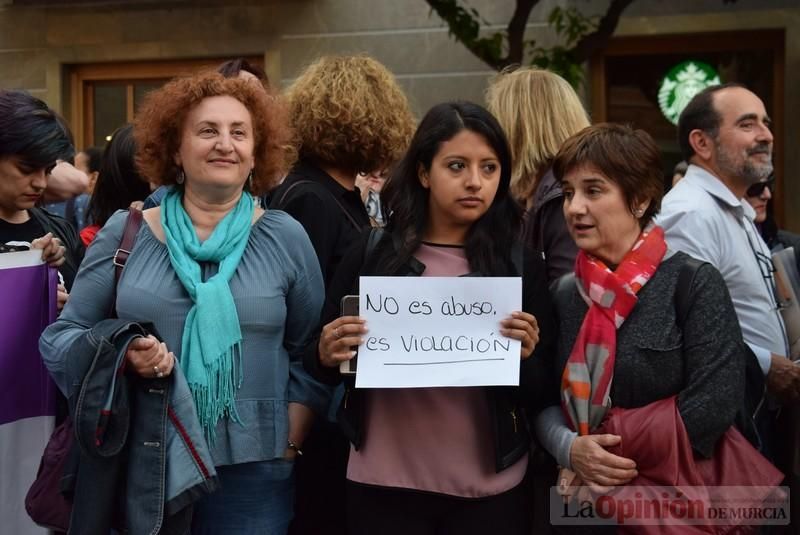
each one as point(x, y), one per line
point(349, 116)
point(233, 290)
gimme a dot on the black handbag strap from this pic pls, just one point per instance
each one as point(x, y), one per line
point(132, 224)
point(561, 290)
point(683, 290)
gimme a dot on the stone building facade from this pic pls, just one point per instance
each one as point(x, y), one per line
point(44, 43)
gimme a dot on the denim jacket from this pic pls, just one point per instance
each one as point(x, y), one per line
point(141, 446)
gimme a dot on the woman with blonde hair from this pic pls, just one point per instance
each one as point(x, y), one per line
point(539, 110)
point(350, 116)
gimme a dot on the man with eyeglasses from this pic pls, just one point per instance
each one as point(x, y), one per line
point(724, 134)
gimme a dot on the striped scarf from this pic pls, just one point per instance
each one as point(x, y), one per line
point(587, 377)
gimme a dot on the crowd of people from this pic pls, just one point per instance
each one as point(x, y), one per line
point(209, 245)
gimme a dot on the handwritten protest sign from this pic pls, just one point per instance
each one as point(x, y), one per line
point(437, 331)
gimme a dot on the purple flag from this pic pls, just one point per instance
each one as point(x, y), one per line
point(27, 306)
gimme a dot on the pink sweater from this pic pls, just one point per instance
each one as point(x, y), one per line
point(432, 439)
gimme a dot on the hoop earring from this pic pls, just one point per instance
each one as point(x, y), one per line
point(250, 181)
point(181, 178)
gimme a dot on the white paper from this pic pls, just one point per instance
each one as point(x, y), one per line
point(21, 259)
point(437, 331)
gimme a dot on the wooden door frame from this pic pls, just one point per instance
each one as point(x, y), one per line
point(81, 97)
point(727, 41)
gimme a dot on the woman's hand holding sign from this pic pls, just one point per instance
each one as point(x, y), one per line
point(337, 339)
point(53, 251)
point(342, 334)
point(523, 327)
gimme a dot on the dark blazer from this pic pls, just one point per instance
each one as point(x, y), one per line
point(508, 405)
point(701, 359)
point(64, 231)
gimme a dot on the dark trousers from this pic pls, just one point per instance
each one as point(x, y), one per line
point(386, 511)
point(319, 506)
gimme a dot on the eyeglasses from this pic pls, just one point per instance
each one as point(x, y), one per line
point(758, 188)
point(765, 265)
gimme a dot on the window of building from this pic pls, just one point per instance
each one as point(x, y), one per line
point(105, 96)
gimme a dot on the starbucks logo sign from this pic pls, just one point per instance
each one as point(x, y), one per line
point(682, 82)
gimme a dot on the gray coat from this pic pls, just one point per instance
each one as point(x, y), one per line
point(702, 361)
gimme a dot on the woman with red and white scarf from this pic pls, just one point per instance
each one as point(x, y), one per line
point(623, 342)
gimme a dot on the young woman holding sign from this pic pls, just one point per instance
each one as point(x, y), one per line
point(442, 460)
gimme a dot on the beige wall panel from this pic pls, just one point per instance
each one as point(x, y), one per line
point(24, 69)
point(38, 93)
point(155, 50)
point(405, 53)
point(253, 45)
point(324, 16)
point(109, 52)
point(425, 92)
point(21, 28)
point(202, 24)
point(81, 27)
point(425, 51)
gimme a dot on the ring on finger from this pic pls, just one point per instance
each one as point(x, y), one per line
point(336, 333)
point(156, 371)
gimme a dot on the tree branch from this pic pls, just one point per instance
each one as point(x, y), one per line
point(516, 31)
point(466, 30)
point(598, 39)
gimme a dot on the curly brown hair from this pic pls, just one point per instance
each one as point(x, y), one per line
point(160, 121)
point(349, 112)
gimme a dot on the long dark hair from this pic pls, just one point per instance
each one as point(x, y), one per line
point(119, 183)
point(489, 240)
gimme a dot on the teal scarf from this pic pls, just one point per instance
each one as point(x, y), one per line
point(212, 338)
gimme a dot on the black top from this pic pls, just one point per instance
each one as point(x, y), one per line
point(40, 223)
point(332, 215)
point(27, 231)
